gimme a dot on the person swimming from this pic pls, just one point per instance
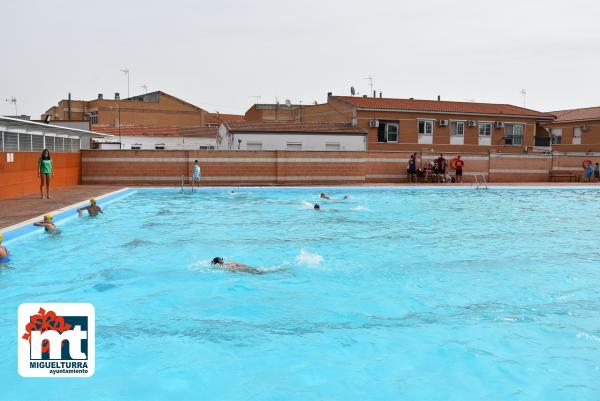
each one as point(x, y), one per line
point(92, 209)
point(4, 254)
point(46, 223)
point(324, 196)
point(316, 207)
point(236, 267)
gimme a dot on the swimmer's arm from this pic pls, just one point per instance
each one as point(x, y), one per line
point(40, 224)
point(81, 209)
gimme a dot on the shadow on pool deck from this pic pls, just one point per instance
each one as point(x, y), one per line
point(13, 211)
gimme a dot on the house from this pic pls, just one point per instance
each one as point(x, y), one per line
point(155, 108)
point(291, 136)
point(273, 112)
point(575, 129)
point(412, 124)
point(147, 137)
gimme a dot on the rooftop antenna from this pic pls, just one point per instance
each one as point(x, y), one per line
point(145, 88)
point(13, 100)
point(126, 72)
point(524, 93)
point(352, 91)
point(370, 78)
point(257, 97)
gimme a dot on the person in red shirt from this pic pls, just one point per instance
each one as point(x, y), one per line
point(459, 164)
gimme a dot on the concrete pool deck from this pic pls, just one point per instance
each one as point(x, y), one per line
point(17, 210)
point(13, 211)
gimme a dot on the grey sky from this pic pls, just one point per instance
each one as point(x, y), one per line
point(218, 54)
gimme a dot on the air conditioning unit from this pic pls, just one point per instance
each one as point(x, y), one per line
point(585, 128)
point(374, 123)
point(472, 123)
point(499, 124)
point(443, 123)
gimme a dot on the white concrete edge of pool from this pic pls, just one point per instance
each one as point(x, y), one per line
point(63, 209)
point(130, 190)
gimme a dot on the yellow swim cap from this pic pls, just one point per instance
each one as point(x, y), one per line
point(1, 238)
point(93, 200)
point(49, 216)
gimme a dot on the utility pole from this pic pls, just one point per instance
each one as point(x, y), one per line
point(126, 72)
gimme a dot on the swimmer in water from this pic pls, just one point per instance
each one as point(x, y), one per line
point(46, 223)
point(235, 266)
point(4, 255)
point(316, 207)
point(92, 209)
point(325, 196)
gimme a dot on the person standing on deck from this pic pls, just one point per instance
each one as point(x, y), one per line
point(44, 172)
point(412, 167)
point(597, 172)
point(197, 173)
point(460, 164)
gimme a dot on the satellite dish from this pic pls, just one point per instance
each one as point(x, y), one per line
point(352, 91)
point(288, 102)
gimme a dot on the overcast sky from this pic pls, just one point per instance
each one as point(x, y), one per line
point(219, 54)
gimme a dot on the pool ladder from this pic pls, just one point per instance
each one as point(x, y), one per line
point(182, 183)
point(480, 184)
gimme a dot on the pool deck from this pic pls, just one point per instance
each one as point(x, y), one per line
point(17, 210)
point(13, 211)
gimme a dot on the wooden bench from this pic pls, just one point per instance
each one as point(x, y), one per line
point(554, 175)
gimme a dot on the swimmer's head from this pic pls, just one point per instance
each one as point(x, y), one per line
point(93, 201)
point(196, 161)
point(217, 261)
point(317, 207)
point(322, 195)
point(1, 238)
point(48, 217)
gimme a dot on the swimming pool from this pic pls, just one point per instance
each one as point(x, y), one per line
point(420, 294)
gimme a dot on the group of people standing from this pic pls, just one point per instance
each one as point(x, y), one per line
point(591, 170)
point(436, 170)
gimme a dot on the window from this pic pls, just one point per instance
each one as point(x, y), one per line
point(59, 143)
point(387, 131)
point(457, 128)
point(49, 143)
point(206, 147)
point(332, 146)
point(136, 146)
point(425, 127)
point(75, 144)
point(577, 136)
point(37, 142)
point(485, 129)
point(11, 141)
point(513, 134)
point(556, 136)
point(94, 117)
point(159, 146)
point(254, 146)
point(294, 146)
point(25, 142)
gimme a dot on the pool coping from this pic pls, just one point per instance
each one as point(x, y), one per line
point(26, 227)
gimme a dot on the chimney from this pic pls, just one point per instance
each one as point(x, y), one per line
point(380, 94)
point(374, 93)
point(69, 107)
point(117, 96)
point(100, 96)
point(439, 98)
point(329, 94)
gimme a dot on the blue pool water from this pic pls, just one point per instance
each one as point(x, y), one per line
point(392, 294)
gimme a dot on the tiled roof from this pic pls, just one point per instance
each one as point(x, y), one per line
point(153, 130)
point(588, 113)
point(214, 118)
point(282, 127)
point(443, 106)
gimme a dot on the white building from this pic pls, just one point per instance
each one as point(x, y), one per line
point(291, 136)
point(18, 135)
point(141, 137)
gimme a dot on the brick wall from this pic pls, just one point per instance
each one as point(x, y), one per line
point(20, 177)
point(130, 167)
